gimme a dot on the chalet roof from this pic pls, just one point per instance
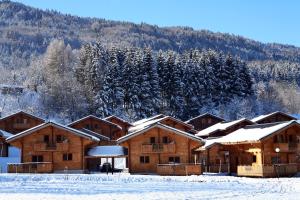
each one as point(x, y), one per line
point(98, 135)
point(154, 120)
point(250, 134)
point(5, 134)
point(96, 118)
point(162, 126)
point(261, 117)
point(60, 126)
point(222, 126)
point(118, 118)
point(204, 115)
point(107, 151)
point(147, 119)
point(24, 113)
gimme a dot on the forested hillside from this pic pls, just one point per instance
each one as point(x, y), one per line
point(74, 66)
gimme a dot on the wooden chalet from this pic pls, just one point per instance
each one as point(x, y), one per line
point(121, 122)
point(99, 126)
point(204, 121)
point(51, 147)
point(273, 117)
point(223, 128)
point(161, 146)
point(18, 122)
point(259, 150)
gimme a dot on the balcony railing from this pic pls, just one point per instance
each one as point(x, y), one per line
point(158, 148)
point(179, 169)
point(268, 170)
point(42, 146)
point(287, 147)
point(30, 167)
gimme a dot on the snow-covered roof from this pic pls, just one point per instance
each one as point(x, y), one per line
point(162, 126)
point(97, 118)
point(261, 117)
point(22, 112)
point(154, 120)
point(203, 115)
point(136, 123)
point(251, 133)
point(5, 134)
point(118, 118)
point(107, 151)
point(60, 126)
point(222, 126)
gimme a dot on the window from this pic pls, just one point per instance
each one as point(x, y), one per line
point(165, 140)
point(37, 158)
point(60, 138)
point(87, 126)
point(46, 138)
point(175, 159)
point(144, 159)
point(254, 158)
point(67, 156)
point(20, 121)
point(96, 126)
point(152, 140)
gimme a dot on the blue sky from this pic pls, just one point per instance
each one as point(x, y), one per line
point(262, 20)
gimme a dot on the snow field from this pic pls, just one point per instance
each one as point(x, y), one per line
point(125, 186)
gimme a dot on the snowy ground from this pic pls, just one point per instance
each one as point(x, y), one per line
point(124, 186)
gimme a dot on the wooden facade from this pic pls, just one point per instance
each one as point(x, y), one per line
point(19, 122)
point(204, 121)
point(121, 122)
point(273, 117)
point(161, 149)
point(256, 158)
point(51, 147)
point(100, 126)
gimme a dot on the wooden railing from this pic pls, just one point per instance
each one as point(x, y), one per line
point(179, 169)
point(158, 148)
point(217, 168)
point(42, 146)
point(268, 170)
point(30, 167)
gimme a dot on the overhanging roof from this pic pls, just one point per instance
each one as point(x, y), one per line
point(162, 126)
point(262, 117)
point(56, 125)
point(96, 118)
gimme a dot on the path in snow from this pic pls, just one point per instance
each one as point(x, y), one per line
point(124, 186)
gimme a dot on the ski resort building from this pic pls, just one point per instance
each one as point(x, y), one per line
point(204, 121)
point(51, 147)
point(162, 145)
point(258, 150)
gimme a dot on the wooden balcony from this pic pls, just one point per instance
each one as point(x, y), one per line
point(179, 169)
point(268, 170)
point(158, 148)
point(30, 167)
point(287, 147)
point(42, 146)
